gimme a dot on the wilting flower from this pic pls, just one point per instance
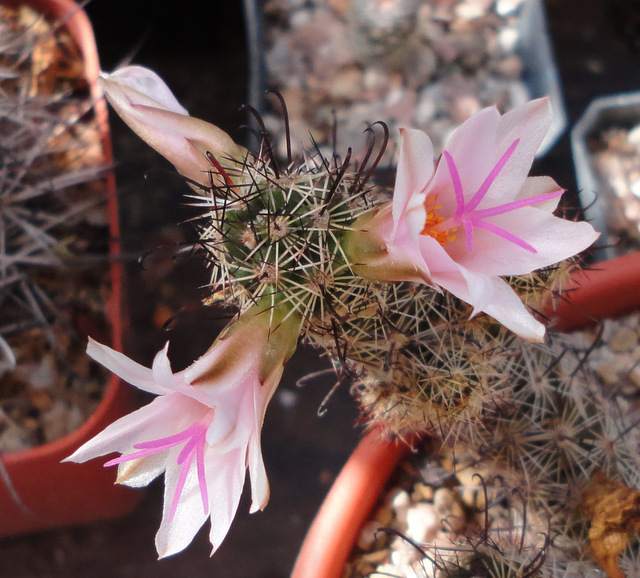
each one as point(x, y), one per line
point(474, 217)
point(203, 429)
point(148, 106)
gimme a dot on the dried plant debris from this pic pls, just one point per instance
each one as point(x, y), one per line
point(614, 511)
point(53, 232)
point(425, 64)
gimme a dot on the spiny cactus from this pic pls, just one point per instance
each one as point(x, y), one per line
point(530, 419)
point(277, 231)
point(394, 289)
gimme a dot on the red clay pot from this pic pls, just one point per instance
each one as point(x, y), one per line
point(55, 494)
point(608, 289)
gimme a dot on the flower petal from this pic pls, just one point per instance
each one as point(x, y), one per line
point(507, 308)
point(182, 140)
point(140, 85)
point(474, 149)
point(175, 535)
point(165, 415)
point(225, 480)
point(553, 238)
point(260, 491)
point(257, 472)
point(147, 105)
point(232, 424)
point(527, 123)
point(125, 368)
point(415, 169)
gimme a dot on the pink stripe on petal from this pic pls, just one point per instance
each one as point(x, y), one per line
point(495, 171)
point(457, 183)
point(167, 442)
point(202, 480)
point(184, 471)
point(468, 231)
point(504, 234)
point(195, 438)
point(512, 206)
point(152, 447)
point(128, 458)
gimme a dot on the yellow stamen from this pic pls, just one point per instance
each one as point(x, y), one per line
point(433, 219)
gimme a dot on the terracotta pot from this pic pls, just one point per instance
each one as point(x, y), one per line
point(609, 289)
point(51, 493)
point(355, 491)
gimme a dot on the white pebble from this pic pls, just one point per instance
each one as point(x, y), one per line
point(400, 503)
point(367, 536)
point(400, 499)
point(422, 522)
point(508, 38)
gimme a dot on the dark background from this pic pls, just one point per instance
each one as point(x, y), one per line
point(198, 47)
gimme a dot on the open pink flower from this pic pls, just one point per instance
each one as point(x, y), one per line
point(475, 216)
point(143, 100)
point(202, 431)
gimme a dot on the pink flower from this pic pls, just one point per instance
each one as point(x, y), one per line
point(474, 217)
point(203, 429)
point(148, 106)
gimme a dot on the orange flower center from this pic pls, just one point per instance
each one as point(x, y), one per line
point(433, 220)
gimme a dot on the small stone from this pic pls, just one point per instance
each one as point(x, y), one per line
point(300, 18)
point(400, 503)
point(40, 399)
point(400, 499)
point(55, 421)
point(367, 537)
point(471, 9)
point(400, 105)
point(340, 7)
point(376, 557)
point(421, 68)
point(383, 515)
point(463, 107)
point(625, 340)
point(508, 39)
point(402, 552)
point(13, 438)
point(506, 7)
point(449, 509)
point(381, 22)
point(422, 493)
point(422, 522)
point(346, 85)
point(40, 376)
point(518, 93)
point(510, 67)
point(375, 80)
